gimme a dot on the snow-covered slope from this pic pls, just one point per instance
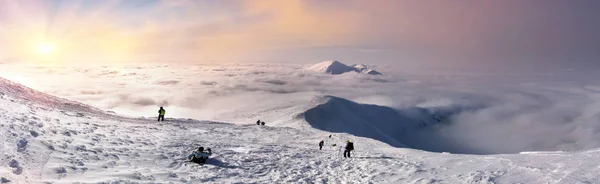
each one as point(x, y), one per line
point(377, 122)
point(336, 67)
point(43, 143)
point(31, 97)
point(397, 127)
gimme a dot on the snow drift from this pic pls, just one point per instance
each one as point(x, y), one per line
point(336, 67)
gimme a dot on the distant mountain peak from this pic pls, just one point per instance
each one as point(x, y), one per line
point(335, 67)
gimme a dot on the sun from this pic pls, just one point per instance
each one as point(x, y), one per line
point(45, 48)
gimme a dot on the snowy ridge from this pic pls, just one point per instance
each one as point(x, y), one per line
point(336, 67)
point(32, 97)
point(40, 144)
point(378, 122)
point(360, 68)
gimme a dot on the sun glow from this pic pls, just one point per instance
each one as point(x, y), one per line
point(46, 48)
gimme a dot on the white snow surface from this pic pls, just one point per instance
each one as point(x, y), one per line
point(45, 139)
point(336, 67)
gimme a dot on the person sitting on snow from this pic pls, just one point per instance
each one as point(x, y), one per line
point(199, 156)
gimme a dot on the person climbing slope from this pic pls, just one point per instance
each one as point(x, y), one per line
point(161, 114)
point(321, 144)
point(200, 156)
point(349, 147)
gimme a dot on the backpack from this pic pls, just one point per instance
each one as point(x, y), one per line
point(350, 146)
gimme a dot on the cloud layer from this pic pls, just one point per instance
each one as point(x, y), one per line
point(508, 112)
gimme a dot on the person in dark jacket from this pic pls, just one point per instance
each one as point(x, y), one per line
point(349, 147)
point(161, 114)
point(321, 144)
point(200, 156)
point(262, 123)
point(258, 122)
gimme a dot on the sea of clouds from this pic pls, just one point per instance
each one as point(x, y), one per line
point(508, 112)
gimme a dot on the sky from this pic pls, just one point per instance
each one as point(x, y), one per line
point(513, 33)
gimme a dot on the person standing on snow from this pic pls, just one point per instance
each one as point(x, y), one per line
point(161, 114)
point(349, 147)
point(321, 144)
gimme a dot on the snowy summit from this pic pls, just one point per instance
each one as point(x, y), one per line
point(335, 67)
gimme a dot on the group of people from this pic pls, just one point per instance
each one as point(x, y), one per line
point(162, 112)
point(201, 155)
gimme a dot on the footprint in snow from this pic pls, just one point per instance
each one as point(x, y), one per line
point(34, 133)
point(61, 171)
point(22, 145)
point(17, 169)
point(4, 180)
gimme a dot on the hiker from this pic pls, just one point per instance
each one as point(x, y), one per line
point(349, 147)
point(161, 114)
point(329, 136)
point(321, 144)
point(200, 156)
point(258, 122)
point(262, 123)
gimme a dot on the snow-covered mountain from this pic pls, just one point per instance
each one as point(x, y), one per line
point(360, 68)
point(336, 67)
point(45, 139)
point(373, 121)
